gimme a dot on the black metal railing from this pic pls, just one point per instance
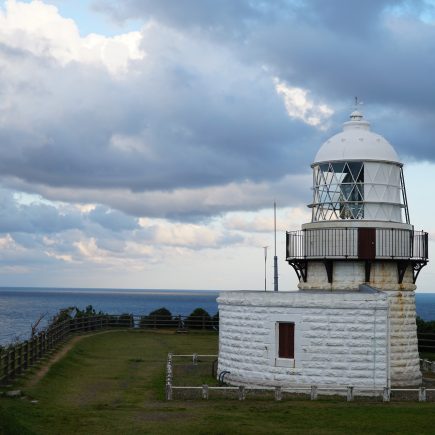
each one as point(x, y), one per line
point(388, 243)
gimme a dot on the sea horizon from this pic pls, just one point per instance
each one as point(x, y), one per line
point(20, 306)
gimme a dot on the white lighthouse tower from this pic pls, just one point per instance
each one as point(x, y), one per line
point(360, 233)
point(352, 322)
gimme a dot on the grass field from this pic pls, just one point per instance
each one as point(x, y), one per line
point(113, 383)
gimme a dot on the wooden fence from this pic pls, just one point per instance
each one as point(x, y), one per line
point(18, 357)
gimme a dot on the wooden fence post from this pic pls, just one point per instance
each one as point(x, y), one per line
point(26, 355)
point(2, 356)
point(20, 359)
point(12, 362)
point(31, 351)
point(6, 363)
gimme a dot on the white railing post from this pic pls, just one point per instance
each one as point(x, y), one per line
point(169, 377)
point(278, 393)
point(386, 395)
point(422, 394)
point(242, 394)
point(349, 394)
point(195, 359)
point(205, 391)
point(313, 392)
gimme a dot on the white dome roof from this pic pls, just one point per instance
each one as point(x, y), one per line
point(356, 142)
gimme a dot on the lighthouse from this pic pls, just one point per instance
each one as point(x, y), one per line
point(352, 321)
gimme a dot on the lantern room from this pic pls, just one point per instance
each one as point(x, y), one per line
point(357, 175)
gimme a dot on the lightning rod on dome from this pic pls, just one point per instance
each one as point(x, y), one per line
point(358, 103)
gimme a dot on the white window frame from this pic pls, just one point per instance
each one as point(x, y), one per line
point(273, 346)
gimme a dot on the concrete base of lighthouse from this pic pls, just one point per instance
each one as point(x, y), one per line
point(363, 338)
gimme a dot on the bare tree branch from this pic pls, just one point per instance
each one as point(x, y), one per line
point(36, 324)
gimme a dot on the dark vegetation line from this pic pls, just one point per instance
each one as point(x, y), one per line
point(160, 318)
point(425, 326)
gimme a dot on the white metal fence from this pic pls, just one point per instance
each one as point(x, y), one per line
point(313, 391)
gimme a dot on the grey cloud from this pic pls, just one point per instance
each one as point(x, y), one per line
point(112, 219)
point(219, 128)
point(378, 49)
point(188, 204)
point(33, 218)
point(200, 111)
point(189, 13)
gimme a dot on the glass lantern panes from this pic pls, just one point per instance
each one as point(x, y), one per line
point(338, 191)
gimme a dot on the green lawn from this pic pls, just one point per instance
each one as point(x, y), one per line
point(113, 383)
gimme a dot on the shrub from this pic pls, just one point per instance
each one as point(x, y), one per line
point(199, 319)
point(423, 326)
point(63, 314)
point(215, 321)
point(125, 320)
point(160, 318)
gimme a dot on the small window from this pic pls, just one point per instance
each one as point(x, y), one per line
point(286, 340)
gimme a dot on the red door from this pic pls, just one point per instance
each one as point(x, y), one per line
point(286, 333)
point(367, 243)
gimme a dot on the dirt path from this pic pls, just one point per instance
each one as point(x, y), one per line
point(57, 357)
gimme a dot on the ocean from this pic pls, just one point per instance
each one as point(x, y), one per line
point(20, 307)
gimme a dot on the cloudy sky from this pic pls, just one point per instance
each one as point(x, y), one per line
point(143, 142)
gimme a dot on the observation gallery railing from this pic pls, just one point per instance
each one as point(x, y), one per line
point(357, 243)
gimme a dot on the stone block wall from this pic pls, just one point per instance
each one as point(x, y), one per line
point(349, 275)
point(340, 338)
point(404, 357)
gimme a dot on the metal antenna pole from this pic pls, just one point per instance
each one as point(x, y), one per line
point(275, 258)
point(265, 261)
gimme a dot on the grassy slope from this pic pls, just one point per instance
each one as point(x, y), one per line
point(113, 383)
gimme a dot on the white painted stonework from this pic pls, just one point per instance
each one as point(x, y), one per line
point(362, 339)
point(404, 357)
point(349, 275)
point(340, 338)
